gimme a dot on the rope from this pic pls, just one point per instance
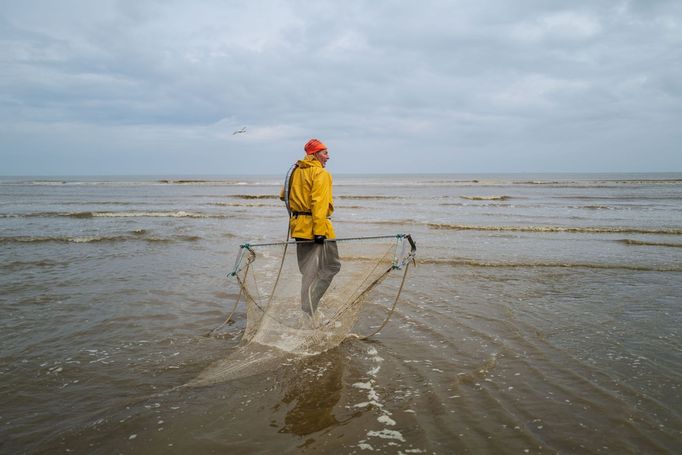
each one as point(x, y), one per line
point(395, 302)
point(344, 239)
point(234, 307)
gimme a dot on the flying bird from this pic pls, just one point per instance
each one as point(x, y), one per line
point(243, 130)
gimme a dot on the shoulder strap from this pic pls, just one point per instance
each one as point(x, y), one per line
point(287, 185)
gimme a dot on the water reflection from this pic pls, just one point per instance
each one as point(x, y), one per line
point(313, 393)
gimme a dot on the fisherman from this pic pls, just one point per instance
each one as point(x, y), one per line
point(308, 195)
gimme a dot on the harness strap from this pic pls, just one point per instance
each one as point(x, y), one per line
point(287, 187)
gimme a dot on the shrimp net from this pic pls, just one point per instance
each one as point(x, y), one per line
point(306, 298)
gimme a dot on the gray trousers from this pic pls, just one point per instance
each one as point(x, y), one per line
point(318, 263)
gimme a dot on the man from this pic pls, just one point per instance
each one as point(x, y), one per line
point(310, 204)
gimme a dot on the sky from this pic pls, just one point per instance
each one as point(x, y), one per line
point(157, 87)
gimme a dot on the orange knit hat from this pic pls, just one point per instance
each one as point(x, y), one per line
point(314, 146)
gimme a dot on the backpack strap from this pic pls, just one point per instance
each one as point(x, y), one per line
point(287, 186)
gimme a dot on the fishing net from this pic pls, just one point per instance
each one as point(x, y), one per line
point(305, 298)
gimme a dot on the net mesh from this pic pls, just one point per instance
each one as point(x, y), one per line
point(305, 298)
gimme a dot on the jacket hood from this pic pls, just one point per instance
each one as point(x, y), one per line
point(309, 161)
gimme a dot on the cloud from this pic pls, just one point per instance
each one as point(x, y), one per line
point(565, 25)
point(158, 82)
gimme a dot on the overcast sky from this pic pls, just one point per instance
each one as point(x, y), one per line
point(158, 87)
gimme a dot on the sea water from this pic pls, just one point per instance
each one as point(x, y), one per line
point(543, 316)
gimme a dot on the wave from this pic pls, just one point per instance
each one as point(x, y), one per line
point(486, 198)
point(626, 207)
point(242, 204)
point(580, 265)
point(661, 197)
point(593, 207)
point(466, 204)
point(132, 182)
point(169, 214)
point(254, 196)
point(584, 230)
point(273, 196)
point(133, 236)
point(21, 265)
point(645, 243)
point(381, 222)
point(172, 214)
point(105, 203)
point(184, 181)
point(600, 183)
point(228, 182)
point(378, 198)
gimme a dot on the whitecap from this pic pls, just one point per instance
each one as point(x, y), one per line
point(386, 420)
point(387, 434)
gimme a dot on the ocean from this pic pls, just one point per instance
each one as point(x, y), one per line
point(543, 316)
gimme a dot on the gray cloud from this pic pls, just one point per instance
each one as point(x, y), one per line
point(439, 86)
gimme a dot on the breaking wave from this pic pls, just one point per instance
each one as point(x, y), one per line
point(133, 214)
point(486, 198)
point(367, 197)
point(378, 222)
point(274, 196)
point(133, 236)
point(466, 204)
point(645, 243)
point(254, 196)
point(228, 182)
point(121, 203)
point(243, 204)
point(593, 207)
point(487, 264)
point(599, 183)
point(661, 197)
point(585, 230)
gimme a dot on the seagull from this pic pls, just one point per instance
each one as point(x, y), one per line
point(243, 130)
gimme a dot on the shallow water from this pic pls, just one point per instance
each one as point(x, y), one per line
point(543, 316)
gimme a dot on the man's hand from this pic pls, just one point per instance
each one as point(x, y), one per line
point(319, 239)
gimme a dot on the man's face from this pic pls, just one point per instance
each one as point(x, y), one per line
point(322, 156)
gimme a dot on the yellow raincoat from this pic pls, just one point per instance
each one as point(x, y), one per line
point(310, 200)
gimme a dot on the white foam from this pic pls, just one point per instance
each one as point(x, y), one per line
point(363, 385)
point(178, 214)
point(386, 420)
point(387, 434)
